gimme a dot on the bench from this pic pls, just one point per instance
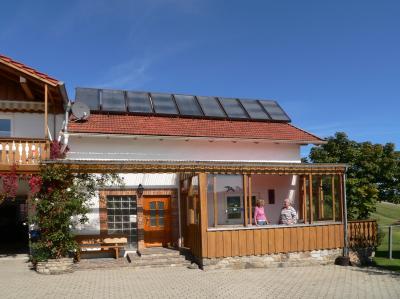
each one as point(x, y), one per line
point(98, 243)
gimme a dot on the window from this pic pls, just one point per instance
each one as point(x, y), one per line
point(5, 127)
point(225, 200)
point(271, 196)
point(326, 196)
point(121, 217)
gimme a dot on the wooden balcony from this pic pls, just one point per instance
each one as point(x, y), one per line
point(25, 153)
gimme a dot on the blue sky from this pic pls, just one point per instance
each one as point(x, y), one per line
point(332, 65)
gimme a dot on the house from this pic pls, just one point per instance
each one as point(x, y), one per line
point(203, 163)
point(31, 111)
point(193, 168)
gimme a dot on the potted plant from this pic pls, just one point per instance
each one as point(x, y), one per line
point(61, 200)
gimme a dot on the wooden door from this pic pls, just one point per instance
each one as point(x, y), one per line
point(157, 221)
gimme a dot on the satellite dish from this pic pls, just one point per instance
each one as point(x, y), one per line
point(80, 110)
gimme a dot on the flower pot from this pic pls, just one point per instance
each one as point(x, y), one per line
point(55, 266)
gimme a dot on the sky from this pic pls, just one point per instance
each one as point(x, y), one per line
point(332, 65)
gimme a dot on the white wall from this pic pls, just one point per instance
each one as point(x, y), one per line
point(94, 148)
point(31, 125)
point(148, 180)
point(285, 186)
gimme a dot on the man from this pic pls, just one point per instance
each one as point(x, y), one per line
point(288, 213)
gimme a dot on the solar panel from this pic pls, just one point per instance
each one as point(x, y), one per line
point(233, 108)
point(211, 107)
point(274, 110)
point(138, 102)
point(188, 105)
point(254, 109)
point(163, 103)
point(89, 96)
point(113, 100)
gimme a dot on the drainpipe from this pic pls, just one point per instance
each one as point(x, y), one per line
point(65, 128)
point(346, 242)
point(179, 210)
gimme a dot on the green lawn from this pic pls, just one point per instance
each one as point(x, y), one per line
point(386, 214)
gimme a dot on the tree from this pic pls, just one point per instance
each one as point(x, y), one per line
point(373, 171)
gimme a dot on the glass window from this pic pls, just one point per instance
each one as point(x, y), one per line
point(5, 127)
point(121, 217)
point(225, 200)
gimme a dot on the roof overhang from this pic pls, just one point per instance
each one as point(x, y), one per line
point(188, 138)
point(154, 166)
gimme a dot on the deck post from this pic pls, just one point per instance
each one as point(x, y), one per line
point(203, 213)
point(215, 200)
point(311, 197)
point(250, 198)
point(245, 199)
point(346, 241)
point(45, 111)
point(333, 198)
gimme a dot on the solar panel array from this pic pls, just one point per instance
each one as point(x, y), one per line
point(107, 100)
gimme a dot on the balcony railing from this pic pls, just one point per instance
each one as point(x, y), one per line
point(22, 151)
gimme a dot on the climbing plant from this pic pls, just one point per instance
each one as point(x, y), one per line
point(61, 201)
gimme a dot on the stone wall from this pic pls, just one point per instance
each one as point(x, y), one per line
point(55, 266)
point(315, 257)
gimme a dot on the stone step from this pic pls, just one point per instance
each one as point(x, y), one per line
point(176, 260)
point(158, 255)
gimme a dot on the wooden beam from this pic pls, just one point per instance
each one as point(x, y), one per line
point(25, 88)
point(215, 200)
point(245, 199)
point(321, 213)
point(203, 213)
point(304, 197)
point(341, 196)
point(45, 111)
point(311, 197)
point(333, 198)
point(250, 195)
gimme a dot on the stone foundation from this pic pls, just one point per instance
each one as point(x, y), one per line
point(293, 259)
point(361, 256)
point(55, 266)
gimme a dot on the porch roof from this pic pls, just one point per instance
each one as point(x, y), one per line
point(153, 166)
point(191, 127)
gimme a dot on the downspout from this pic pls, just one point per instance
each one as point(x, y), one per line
point(346, 241)
point(64, 130)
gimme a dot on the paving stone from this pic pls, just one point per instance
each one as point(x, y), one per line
point(18, 281)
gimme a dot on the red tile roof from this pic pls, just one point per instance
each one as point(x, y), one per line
point(26, 69)
point(190, 127)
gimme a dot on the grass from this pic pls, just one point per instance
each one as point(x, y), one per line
point(386, 214)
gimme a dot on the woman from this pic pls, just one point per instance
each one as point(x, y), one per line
point(259, 214)
point(288, 213)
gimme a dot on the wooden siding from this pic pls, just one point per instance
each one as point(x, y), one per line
point(245, 242)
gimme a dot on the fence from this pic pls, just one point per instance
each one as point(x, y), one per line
point(362, 233)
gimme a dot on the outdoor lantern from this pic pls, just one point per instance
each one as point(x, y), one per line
point(139, 190)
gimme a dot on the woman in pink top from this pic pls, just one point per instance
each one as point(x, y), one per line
point(259, 214)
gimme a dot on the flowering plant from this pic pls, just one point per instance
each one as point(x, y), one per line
point(62, 196)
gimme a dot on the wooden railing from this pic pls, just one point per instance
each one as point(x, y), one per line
point(22, 151)
point(362, 233)
point(271, 240)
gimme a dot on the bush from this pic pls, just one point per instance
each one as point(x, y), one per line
point(63, 196)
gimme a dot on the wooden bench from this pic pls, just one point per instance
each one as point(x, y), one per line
point(100, 243)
